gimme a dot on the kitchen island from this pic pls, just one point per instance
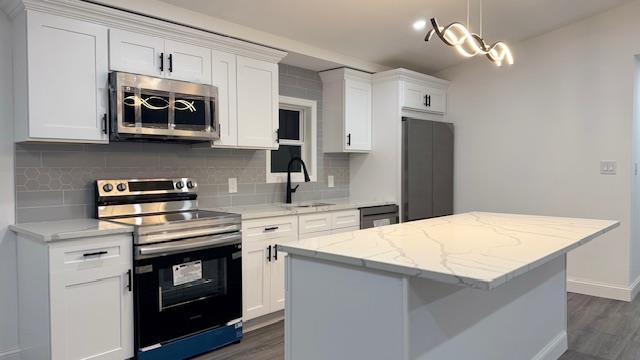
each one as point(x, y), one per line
point(468, 286)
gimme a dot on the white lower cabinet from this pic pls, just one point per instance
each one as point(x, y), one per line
point(263, 264)
point(76, 299)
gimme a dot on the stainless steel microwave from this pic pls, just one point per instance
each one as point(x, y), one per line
point(145, 107)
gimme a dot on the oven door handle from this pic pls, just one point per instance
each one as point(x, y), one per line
point(188, 244)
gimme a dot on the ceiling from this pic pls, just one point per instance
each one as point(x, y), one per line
point(380, 31)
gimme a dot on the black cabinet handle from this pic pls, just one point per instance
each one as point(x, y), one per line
point(161, 61)
point(269, 253)
point(278, 135)
point(271, 228)
point(426, 101)
point(275, 252)
point(129, 278)
point(349, 140)
point(104, 124)
point(170, 62)
point(97, 253)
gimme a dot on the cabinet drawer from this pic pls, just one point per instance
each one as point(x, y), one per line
point(284, 227)
point(314, 222)
point(90, 253)
point(345, 219)
point(345, 230)
point(315, 234)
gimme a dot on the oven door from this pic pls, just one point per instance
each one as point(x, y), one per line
point(187, 286)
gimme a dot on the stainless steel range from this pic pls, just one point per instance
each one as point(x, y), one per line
point(188, 266)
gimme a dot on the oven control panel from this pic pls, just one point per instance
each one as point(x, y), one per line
point(128, 187)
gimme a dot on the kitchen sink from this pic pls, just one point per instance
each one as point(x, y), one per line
point(315, 204)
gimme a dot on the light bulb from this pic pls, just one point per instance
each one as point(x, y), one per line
point(419, 25)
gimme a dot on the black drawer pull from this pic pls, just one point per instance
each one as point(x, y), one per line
point(275, 252)
point(161, 61)
point(271, 228)
point(170, 62)
point(97, 253)
point(269, 253)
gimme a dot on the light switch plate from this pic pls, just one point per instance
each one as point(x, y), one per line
point(330, 182)
point(233, 185)
point(608, 167)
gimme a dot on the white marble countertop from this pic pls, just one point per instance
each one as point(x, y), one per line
point(69, 229)
point(479, 250)
point(281, 209)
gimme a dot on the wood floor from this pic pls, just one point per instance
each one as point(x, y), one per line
point(599, 329)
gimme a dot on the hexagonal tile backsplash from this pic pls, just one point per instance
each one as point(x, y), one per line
point(56, 181)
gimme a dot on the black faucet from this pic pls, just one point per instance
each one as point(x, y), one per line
point(306, 177)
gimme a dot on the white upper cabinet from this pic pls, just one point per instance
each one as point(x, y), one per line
point(154, 56)
point(61, 71)
point(357, 120)
point(136, 53)
point(60, 79)
point(257, 101)
point(188, 62)
point(424, 97)
point(224, 78)
point(347, 110)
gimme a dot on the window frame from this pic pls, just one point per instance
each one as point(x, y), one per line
point(308, 140)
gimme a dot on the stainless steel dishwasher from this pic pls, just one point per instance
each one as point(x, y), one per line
point(378, 216)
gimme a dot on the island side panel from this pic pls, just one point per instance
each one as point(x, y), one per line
point(338, 311)
point(522, 319)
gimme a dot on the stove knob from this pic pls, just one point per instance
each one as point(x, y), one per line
point(179, 185)
point(122, 187)
point(191, 184)
point(107, 187)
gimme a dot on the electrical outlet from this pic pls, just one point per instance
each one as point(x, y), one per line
point(608, 167)
point(233, 185)
point(330, 182)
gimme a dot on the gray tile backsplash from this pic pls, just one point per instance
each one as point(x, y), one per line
point(55, 181)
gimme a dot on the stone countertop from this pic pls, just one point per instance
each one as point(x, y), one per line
point(280, 209)
point(478, 250)
point(69, 229)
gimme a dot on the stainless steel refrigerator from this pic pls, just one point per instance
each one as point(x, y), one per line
point(427, 169)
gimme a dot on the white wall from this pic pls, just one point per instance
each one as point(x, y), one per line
point(529, 138)
point(8, 286)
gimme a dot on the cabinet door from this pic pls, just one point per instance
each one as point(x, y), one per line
point(357, 115)
point(92, 314)
point(256, 279)
point(68, 71)
point(187, 62)
point(277, 276)
point(413, 96)
point(224, 78)
point(437, 100)
point(257, 103)
point(136, 53)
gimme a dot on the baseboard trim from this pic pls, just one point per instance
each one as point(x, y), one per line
point(261, 321)
point(603, 290)
point(13, 354)
point(554, 349)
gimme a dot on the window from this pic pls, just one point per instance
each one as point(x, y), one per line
point(298, 138)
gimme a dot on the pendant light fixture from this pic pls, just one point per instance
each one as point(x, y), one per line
point(467, 43)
